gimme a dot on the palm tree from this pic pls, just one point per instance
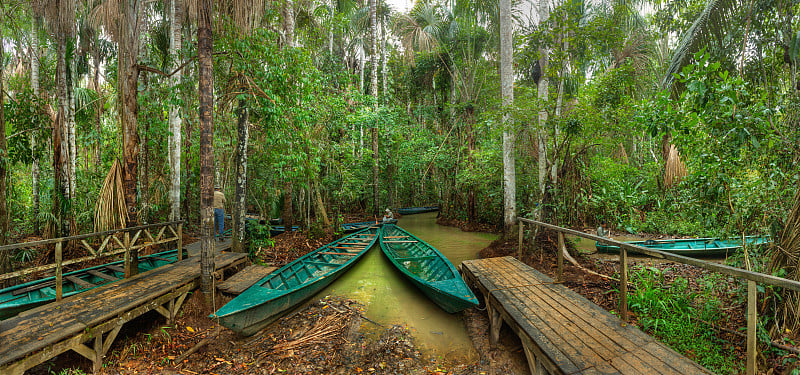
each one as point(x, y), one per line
point(34, 51)
point(5, 259)
point(59, 17)
point(507, 89)
point(373, 26)
point(174, 116)
point(205, 89)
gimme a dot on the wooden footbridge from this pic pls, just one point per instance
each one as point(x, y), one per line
point(89, 322)
point(564, 333)
point(561, 331)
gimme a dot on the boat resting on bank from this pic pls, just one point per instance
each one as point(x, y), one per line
point(692, 246)
point(354, 227)
point(285, 288)
point(18, 298)
point(416, 210)
point(427, 268)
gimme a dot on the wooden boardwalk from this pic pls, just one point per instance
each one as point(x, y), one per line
point(95, 317)
point(561, 331)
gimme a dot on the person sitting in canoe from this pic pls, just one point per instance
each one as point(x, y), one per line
point(388, 215)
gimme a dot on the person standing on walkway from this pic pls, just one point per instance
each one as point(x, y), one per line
point(219, 212)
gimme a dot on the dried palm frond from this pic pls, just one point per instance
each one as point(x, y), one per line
point(786, 257)
point(620, 155)
point(110, 210)
point(674, 170)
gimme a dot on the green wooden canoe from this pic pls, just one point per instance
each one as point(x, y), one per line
point(19, 298)
point(427, 268)
point(286, 287)
point(691, 246)
point(416, 210)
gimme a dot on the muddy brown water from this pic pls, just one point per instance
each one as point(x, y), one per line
point(390, 299)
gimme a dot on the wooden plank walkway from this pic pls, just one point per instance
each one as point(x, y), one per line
point(40, 334)
point(562, 332)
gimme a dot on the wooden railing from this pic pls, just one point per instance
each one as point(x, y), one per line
point(751, 277)
point(108, 243)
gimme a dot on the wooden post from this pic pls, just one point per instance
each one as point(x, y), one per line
point(519, 247)
point(752, 296)
point(561, 250)
point(180, 241)
point(126, 241)
point(623, 285)
point(59, 255)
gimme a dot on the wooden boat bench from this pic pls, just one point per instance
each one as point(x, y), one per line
point(89, 322)
point(561, 331)
point(403, 259)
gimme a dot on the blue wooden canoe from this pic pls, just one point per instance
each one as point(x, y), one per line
point(427, 268)
point(416, 210)
point(286, 287)
point(278, 229)
point(18, 298)
point(692, 246)
point(354, 227)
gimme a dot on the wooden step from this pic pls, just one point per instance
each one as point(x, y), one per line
point(244, 279)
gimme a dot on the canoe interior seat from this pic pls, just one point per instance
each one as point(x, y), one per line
point(33, 287)
point(161, 259)
point(79, 282)
point(347, 254)
point(115, 267)
point(327, 264)
point(417, 258)
point(102, 275)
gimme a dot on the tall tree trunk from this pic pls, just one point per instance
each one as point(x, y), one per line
point(174, 118)
point(128, 76)
point(5, 258)
point(542, 92)
point(98, 111)
point(320, 206)
point(61, 206)
point(206, 105)
point(509, 137)
point(383, 59)
point(287, 212)
point(35, 24)
point(289, 23)
point(361, 75)
point(373, 25)
point(239, 206)
point(70, 127)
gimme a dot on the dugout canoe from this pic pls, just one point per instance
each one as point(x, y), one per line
point(426, 268)
point(354, 227)
point(288, 286)
point(18, 298)
point(416, 210)
point(692, 246)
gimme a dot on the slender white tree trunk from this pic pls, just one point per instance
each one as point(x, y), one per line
point(543, 94)
point(361, 75)
point(383, 58)
point(175, 138)
point(35, 86)
point(70, 125)
point(373, 25)
point(507, 91)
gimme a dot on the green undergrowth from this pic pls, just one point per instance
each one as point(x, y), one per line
point(671, 312)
